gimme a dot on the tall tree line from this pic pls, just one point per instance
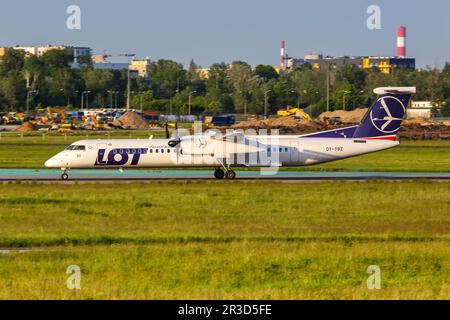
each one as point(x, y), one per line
point(49, 80)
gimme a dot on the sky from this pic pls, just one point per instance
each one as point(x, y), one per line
point(210, 31)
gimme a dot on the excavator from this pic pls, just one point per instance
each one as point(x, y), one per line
point(294, 111)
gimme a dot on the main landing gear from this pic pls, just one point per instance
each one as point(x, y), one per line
point(220, 174)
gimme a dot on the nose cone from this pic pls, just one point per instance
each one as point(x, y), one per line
point(52, 163)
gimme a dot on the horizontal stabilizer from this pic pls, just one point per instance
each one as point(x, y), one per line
point(396, 90)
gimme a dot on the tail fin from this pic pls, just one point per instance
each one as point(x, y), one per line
point(383, 119)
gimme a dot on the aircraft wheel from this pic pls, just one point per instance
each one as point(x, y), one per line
point(231, 175)
point(64, 176)
point(219, 174)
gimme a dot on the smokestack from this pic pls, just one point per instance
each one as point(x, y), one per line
point(401, 42)
point(282, 59)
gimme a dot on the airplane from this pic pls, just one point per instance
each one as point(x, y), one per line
point(377, 131)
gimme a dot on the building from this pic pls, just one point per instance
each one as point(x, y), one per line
point(28, 50)
point(141, 66)
point(79, 52)
point(335, 63)
point(385, 64)
point(2, 53)
point(104, 66)
point(293, 63)
point(99, 58)
point(76, 52)
point(420, 109)
point(202, 73)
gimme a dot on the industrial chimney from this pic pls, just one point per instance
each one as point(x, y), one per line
point(401, 42)
point(282, 57)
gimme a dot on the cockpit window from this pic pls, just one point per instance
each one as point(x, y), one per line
point(76, 147)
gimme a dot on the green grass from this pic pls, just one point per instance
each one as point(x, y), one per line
point(240, 240)
point(215, 209)
point(238, 270)
point(32, 150)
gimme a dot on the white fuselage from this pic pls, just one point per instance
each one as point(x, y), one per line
point(204, 151)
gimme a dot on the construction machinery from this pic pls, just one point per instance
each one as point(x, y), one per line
point(56, 113)
point(332, 121)
point(294, 111)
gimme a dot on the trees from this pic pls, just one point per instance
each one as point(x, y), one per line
point(228, 88)
point(168, 77)
point(266, 72)
point(13, 61)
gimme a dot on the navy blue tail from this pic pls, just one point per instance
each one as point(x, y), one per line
point(383, 119)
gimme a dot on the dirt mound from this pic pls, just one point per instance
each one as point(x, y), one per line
point(424, 131)
point(354, 116)
point(286, 125)
point(132, 120)
point(417, 120)
point(27, 127)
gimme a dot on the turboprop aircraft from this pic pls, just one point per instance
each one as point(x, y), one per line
point(223, 152)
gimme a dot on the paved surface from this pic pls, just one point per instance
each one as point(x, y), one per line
point(137, 175)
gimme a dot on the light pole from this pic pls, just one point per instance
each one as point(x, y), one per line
point(189, 104)
point(266, 103)
point(343, 98)
point(298, 97)
point(129, 55)
point(29, 93)
point(87, 99)
point(328, 87)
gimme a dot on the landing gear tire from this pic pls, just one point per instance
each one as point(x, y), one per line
point(219, 174)
point(230, 175)
point(64, 176)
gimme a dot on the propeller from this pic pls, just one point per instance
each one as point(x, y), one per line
point(166, 127)
point(176, 141)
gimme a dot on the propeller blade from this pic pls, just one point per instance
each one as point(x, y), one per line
point(166, 126)
point(176, 130)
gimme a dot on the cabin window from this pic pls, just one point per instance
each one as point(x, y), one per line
point(156, 150)
point(76, 147)
point(281, 149)
point(168, 150)
point(162, 150)
point(151, 150)
point(285, 149)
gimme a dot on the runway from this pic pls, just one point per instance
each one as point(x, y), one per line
point(145, 175)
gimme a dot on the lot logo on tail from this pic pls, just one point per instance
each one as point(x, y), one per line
point(388, 114)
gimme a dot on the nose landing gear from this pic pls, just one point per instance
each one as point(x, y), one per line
point(64, 175)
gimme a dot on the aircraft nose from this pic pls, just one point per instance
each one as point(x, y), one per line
point(51, 163)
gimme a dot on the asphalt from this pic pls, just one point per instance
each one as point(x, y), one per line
point(94, 175)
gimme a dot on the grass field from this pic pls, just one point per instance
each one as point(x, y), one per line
point(248, 240)
point(32, 150)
